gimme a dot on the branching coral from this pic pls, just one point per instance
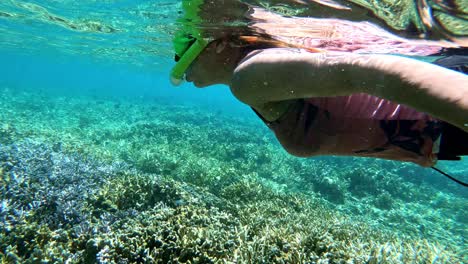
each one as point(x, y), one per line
point(144, 182)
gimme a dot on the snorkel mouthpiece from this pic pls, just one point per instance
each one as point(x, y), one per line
point(178, 72)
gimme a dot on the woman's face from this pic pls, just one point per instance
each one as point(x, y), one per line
point(214, 65)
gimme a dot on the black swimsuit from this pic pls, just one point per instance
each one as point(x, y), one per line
point(454, 141)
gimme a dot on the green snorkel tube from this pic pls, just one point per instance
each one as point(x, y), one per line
point(178, 72)
point(189, 41)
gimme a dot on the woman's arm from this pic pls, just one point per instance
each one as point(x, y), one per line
point(278, 75)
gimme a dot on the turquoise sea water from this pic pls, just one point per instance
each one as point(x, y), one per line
point(103, 161)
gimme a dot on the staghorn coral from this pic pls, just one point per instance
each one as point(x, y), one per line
point(144, 187)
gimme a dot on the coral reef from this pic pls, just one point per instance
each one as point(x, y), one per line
point(104, 181)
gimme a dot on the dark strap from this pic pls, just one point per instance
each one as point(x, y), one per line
point(454, 62)
point(450, 177)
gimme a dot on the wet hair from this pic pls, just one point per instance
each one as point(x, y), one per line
point(248, 43)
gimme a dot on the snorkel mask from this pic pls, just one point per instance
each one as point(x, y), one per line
point(188, 41)
point(187, 50)
point(198, 27)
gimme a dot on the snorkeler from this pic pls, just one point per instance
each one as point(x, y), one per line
point(340, 102)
